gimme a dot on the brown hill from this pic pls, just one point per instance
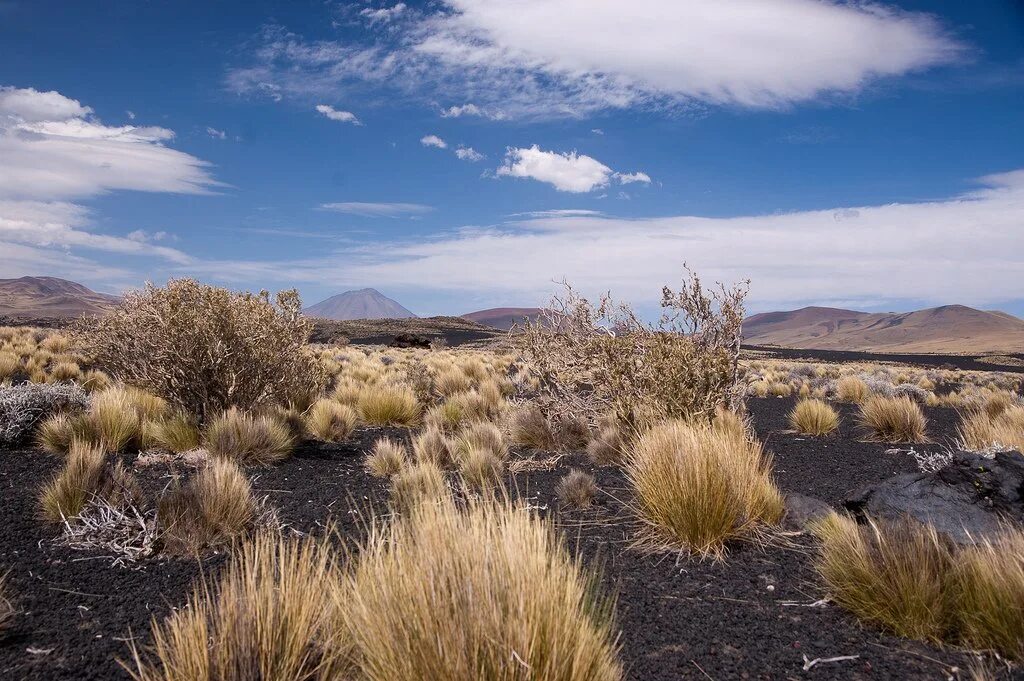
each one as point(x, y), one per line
point(50, 297)
point(947, 329)
point(366, 303)
point(503, 317)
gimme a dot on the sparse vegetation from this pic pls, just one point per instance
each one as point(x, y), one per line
point(893, 419)
point(992, 429)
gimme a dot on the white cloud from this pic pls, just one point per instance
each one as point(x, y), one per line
point(215, 133)
point(54, 149)
point(384, 14)
point(471, 109)
point(377, 210)
point(935, 252)
point(571, 57)
point(131, 115)
point(469, 154)
point(568, 172)
point(433, 141)
point(337, 115)
point(629, 178)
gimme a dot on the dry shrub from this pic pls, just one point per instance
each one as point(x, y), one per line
point(175, 433)
point(593, 360)
point(978, 431)
point(893, 419)
point(248, 439)
point(529, 426)
point(386, 458)
point(488, 593)
point(813, 417)
point(23, 406)
point(272, 615)
point(430, 445)
point(909, 579)
point(389, 405)
point(331, 421)
point(206, 349)
point(422, 482)
point(851, 389)
point(214, 507)
point(86, 476)
point(576, 488)
point(699, 486)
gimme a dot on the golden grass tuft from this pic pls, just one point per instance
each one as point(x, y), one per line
point(608, 446)
point(851, 389)
point(331, 421)
point(389, 405)
point(386, 458)
point(431, 445)
point(813, 417)
point(214, 507)
point(698, 487)
point(978, 431)
point(115, 418)
point(486, 593)
point(65, 371)
point(529, 427)
point(451, 381)
point(577, 489)
point(248, 439)
point(421, 482)
point(175, 433)
point(67, 493)
point(480, 436)
point(990, 594)
point(893, 419)
point(272, 615)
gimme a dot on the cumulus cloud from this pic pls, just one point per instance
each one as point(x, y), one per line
point(566, 172)
point(469, 154)
point(337, 115)
point(55, 150)
point(377, 210)
point(571, 57)
point(433, 141)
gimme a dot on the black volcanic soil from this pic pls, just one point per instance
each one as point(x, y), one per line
point(745, 618)
point(927, 361)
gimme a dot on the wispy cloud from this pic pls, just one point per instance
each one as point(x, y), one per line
point(216, 134)
point(377, 210)
point(337, 115)
point(469, 154)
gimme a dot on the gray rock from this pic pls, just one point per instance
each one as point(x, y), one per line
point(973, 496)
point(802, 510)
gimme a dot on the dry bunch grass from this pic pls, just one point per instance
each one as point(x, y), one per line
point(698, 486)
point(980, 430)
point(331, 421)
point(813, 417)
point(84, 477)
point(248, 439)
point(431, 445)
point(893, 419)
point(577, 489)
point(175, 433)
point(214, 507)
point(386, 458)
point(851, 389)
point(421, 482)
point(389, 405)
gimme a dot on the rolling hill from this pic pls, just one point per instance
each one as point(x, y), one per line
point(502, 317)
point(50, 297)
point(366, 303)
point(947, 329)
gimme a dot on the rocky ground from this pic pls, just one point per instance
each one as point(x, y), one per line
point(757, 615)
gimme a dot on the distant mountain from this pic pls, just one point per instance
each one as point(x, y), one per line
point(503, 317)
point(48, 297)
point(366, 303)
point(946, 329)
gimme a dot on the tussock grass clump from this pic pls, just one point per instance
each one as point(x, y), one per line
point(577, 488)
point(114, 418)
point(421, 482)
point(893, 419)
point(910, 580)
point(386, 458)
point(480, 436)
point(608, 446)
point(444, 594)
point(997, 403)
point(214, 507)
point(697, 486)
point(272, 615)
point(55, 434)
point(65, 371)
point(10, 365)
point(813, 417)
point(451, 381)
point(851, 389)
point(175, 433)
point(481, 468)
point(248, 439)
point(67, 493)
point(430, 445)
point(389, 405)
point(447, 416)
point(331, 421)
point(529, 427)
point(980, 431)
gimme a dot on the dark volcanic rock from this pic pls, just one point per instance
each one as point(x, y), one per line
point(973, 495)
point(802, 510)
point(410, 340)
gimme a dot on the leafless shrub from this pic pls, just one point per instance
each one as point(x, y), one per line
point(123, 531)
point(24, 405)
point(206, 349)
point(592, 360)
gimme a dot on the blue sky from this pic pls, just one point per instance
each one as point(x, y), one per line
point(462, 154)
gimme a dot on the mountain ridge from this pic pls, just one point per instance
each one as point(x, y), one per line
point(51, 297)
point(364, 303)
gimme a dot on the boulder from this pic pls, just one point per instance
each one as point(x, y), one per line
point(802, 510)
point(973, 496)
point(410, 340)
